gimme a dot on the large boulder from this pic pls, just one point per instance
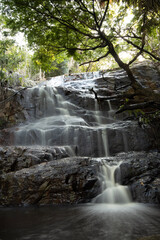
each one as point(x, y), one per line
point(141, 171)
point(40, 177)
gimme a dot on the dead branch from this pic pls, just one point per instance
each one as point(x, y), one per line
point(135, 106)
point(9, 98)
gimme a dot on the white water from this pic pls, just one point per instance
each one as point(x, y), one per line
point(111, 192)
point(102, 135)
point(57, 123)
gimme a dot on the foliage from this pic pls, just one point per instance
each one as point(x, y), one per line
point(10, 56)
point(82, 26)
point(17, 64)
point(89, 31)
point(12, 59)
point(48, 61)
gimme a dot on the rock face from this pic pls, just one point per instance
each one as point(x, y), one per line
point(141, 171)
point(62, 131)
point(49, 176)
point(12, 111)
point(45, 176)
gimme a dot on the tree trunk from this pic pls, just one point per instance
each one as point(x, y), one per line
point(149, 94)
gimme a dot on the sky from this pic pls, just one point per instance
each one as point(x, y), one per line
point(20, 39)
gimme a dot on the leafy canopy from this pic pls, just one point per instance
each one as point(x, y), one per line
point(87, 29)
point(91, 30)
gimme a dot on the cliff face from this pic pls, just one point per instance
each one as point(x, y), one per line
point(53, 137)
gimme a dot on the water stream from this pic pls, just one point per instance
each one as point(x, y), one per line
point(57, 123)
point(54, 120)
point(111, 191)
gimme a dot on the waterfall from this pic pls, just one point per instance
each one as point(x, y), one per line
point(57, 121)
point(111, 191)
point(110, 110)
point(102, 134)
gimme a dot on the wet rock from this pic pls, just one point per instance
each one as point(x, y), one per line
point(127, 136)
point(156, 237)
point(12, 109)
point(41, 176)
point(16, 158)
point(69, 180)
point(141, 171)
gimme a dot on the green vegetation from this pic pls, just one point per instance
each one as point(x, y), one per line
point(18, 64)
point(90, 31)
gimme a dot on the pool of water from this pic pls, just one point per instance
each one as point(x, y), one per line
point(80, 222)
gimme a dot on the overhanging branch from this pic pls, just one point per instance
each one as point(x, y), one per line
point(143, 41)
point(104, 15)
point(96, 60)
point(94, 14)
point(140, 48)
point(64, 22)
point(83, 7)
point(150, 104)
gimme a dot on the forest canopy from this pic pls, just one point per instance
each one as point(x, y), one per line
point(91, 30)
point(86, 28)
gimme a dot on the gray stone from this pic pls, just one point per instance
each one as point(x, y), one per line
point(67, 180)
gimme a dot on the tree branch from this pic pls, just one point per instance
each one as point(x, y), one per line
point(143, 41)
point(144, 50)
point(117, 96)
point(9, 98)
point(96, 60)
point(61, 21)
point(96, 97)
point(104, 15)
point(134, 83)
point(143, 105)
point(83, 6)
point(94, 14)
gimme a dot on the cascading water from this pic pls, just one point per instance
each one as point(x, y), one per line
point(102, 134)
point(56, 121)
point(65, 114)
point(53, 124)
point(111, 191)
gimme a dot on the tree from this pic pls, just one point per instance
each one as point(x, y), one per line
point(47, 61)
point(11, 55)
point(90, 30)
